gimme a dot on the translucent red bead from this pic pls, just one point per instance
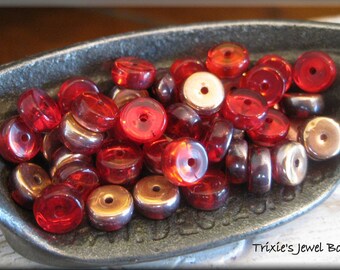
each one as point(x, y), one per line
point(181, 69)
point(153, 154)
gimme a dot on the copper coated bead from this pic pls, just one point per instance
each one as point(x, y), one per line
point(110, 207)
point(122, 96)
point(321, 138)
point(237, 162)
point(155, 197)
point(302, 105)
point(27, 182)
point(260, 170)
point(289, 163)
point(51, 143)
point(294, 127)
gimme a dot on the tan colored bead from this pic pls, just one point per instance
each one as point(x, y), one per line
point(123, 96)
point(294, 127)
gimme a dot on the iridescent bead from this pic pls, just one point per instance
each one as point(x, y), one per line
point(153, 154)
point(164, 87)
point(122, 96)
point(51, 143)
point(236, 162)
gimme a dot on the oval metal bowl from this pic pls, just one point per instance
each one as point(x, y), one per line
point(188, 230)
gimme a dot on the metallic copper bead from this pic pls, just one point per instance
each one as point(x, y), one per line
point(289, 163)
point(204, 92)
point(260, 170)
point(109, 207)
point(302, 105)
point(238, 134)
point(51, 143)
point(155, 197)
point(122, 96)
point(164, 87)
point(294, 127)
point(77, 138)
point(321, 138)
point(237, 162)
point(27, 182)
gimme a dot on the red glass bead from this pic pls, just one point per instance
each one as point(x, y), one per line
point(228, 60)
point(71, 89)
point(59, 209)
point(143, 120)
point(267, 81)
point(314, 71)
point(217, 139)
point(38, 110)
point(245, 108)
point(184, 162)
point(78, 175)
point(181, 69)
point(94, 111)
point(279, 63)
point(122, 96)
point(164, 88)
point(132, 72)
point(51, 143)
point(273, 130)
point(236, 162)
point(120, 163)
point(18, 143)
point(183, 121)
point(153, 154)
point(210, 193)
point(231, 84)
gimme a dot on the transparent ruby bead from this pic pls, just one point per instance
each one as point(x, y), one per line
point(273, 130)
point(314, 71)
point(71, 89)
point(181, 69)
point(231, 84)
point(228, 60)
point(120, 163)
point(18, 143)
point(94, 111)
point(38, 110)
point(236, 162)
point(51, 143)
point(183, 121)
point(210, 193)
point(153, 154)
point(184, 162)
point(267, 81)
point(245, 108)
point(279, 63)
point(143, 120)
point(217, 139)
point(59, 209)
point(132, 72)
point(122, 96)
point(164, 87)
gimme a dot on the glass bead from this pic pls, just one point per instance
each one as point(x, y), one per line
point(184, 161)
point(120, 163)
point(164, 87)
point(279, 63)
point(267, 81)
point(203, 92)
point(228, 60)
point(236, 162)
point(217, 139)
point(109, 207)
point(51, 143)
point(273, 130)
point(18, 143)
point(122, 96)
point(27, 182)
point(155, 197)
point(182, 68)
point(133, 73)
point(314, 71)
point(183, 121)
point(245, 108)
point(294, 127)
point(59, 209)
point(71, 89)
point(94, 111)
point(153, 154)
point(208, 194)
point(38, 110)
point(231, 84)
point(143, 120)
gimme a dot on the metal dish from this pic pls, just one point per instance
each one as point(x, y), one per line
point(188, 230)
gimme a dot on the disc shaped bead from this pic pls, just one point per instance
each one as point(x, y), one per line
point(18, 143)
point(228, 60)
point(38, 110)
point(94, 111)
point(203, 92)
point(122, 96)
point(109, 207)
point(289, 161)
point(314, 71)
point(210, 193)
point(27, 182)
point(155, 197)
point(77, 138)
point(153, 154)
point(164, 87)
point(59, 209)
point(184, 161)
point(133, 73)
point(182, 68)
point(51, 143)
point(143, 120)
point(236, 162)
point(245, 108)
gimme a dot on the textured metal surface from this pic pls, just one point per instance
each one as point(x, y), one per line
point(188, 230)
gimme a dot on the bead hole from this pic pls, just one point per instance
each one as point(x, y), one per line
point(59, 211)
point(119, 153)
point(296, 163)
point(323, 137)
point(312, 70)
point(233, 88)
point(25, 137)
point(108, 200)
point(269, 120)
point(191, 162)
point(156, 188)
point(100, 102)
point(143, 117)
point(204, 90)
point(37, 179)
point(264, 86)
point(247, 102)
point(227, 54)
